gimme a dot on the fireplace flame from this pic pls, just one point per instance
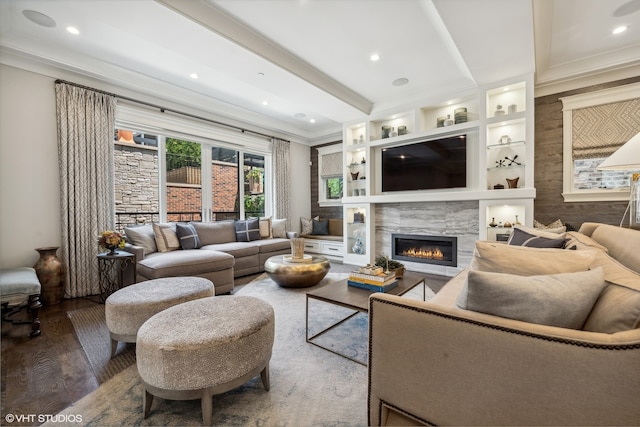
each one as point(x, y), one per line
point(435, 253)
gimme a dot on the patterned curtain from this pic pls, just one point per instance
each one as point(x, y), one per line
point(86, 122)
point(281, 167)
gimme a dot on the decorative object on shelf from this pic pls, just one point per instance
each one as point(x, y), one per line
point(390, 265)
point(50, 271)
point(504, 139)
point(393, 133)
point(513, 108)
point(500, 163)
point(500, 224)
point(355, 192)
point(402, 130)
point(361, 139)
point(493, 222)
point(354, 176)
point(460, 115)
point(449, 121)
point(513, 183)
point(297, 248)
point(363, 192)
point(508, 225)
point(358, 217)
point(512, 161)
point(517, 222)
point(440, 121)
point(386, 130)
point(111, 240)
point(355, 141)
point(498, 187)
point(353, 169)
point(358, 247)
point(499, 111)
point(363, 161)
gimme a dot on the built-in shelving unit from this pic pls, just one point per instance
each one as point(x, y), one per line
point(498, 122)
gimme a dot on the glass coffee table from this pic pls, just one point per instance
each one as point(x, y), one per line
point(356, 299)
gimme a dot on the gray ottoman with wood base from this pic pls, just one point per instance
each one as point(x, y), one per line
point(128, 308)
point(204, 347)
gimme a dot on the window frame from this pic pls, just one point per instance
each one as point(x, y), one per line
point(323, 201)
point(585, 100)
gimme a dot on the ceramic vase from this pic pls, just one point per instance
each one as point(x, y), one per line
point(50, 271)
point(297, 248)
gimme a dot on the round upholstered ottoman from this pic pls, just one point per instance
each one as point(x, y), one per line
point(128, 308)
point(204, 347)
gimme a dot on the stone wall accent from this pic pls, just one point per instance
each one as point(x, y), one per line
point(549, 204)
point(459, 219)
point(136, 181)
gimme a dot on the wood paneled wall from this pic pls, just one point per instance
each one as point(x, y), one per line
point(316, 210)
point(549, 204)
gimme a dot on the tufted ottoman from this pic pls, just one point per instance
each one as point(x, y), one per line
point(204, 347)
point(128, 308)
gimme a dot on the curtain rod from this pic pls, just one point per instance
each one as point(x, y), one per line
point(163, 109)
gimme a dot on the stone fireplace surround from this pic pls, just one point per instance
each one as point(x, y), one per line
point(451, 218)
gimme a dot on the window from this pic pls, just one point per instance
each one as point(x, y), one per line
point(595, 125)
point(330, 175)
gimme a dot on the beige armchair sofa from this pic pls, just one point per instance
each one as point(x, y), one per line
point(435, 363)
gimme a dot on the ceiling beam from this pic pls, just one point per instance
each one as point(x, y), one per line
point(219, 22)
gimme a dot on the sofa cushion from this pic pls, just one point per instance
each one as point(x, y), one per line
point(247, 230)
point(191, 262)
point(577, 240)
point(520, 237)
point(143, 236)
point(563, 300)
point(166, 237)
point(623, 244)
point(272, 245)
point(237, 249)
point(216, 232)
point(279, 228)
point(320, 227)
point(188, 236)
point(617, 309)
point(525, 261)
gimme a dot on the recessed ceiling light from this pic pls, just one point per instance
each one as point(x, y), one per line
point(39, 18)
point(375, 57)
point(73, 30)
point(299, 115)
point(620, 29)
point(265, 103)
point(261, 74)
point(193, 75)
point(312, 120)
point(400, 82)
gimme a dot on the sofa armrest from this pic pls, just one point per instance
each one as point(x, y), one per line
point(138, 251)
point(428, 364)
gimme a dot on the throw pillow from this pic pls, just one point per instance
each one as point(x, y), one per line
point(188, 236)
point(555, 224)
point(166, 237)
point(248, 230)
point(549, 233)
point(320, 227)
point(522, 238)
point(279, 228)
point(525, 261)
point(306, 225)
point(265, 228)
point(580, 241)
point(143, 236)
point(563, 300)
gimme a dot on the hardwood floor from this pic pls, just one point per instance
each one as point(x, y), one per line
point(43, 375)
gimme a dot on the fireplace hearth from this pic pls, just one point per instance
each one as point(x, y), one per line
point(439, 250)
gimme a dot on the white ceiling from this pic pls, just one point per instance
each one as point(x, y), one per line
point(312, 56)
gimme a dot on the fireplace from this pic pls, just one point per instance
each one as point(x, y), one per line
point(439, 250)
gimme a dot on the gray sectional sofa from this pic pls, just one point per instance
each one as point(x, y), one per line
point(217, 254)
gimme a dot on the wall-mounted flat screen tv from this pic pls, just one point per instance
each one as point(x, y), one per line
point(427, 165)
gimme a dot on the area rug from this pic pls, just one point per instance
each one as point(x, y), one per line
point(309, 385)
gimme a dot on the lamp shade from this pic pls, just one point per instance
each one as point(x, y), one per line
point(626, 157)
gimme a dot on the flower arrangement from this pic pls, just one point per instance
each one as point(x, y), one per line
point(111, 240)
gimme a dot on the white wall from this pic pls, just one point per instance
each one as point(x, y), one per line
point(29, 179)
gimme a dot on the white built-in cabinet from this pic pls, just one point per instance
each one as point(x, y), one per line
point(498, 121)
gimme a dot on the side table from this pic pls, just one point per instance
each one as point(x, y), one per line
point(111, 272)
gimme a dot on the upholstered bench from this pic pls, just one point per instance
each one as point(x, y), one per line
point(128, 308)
point(20, 288)
point(205, 347)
